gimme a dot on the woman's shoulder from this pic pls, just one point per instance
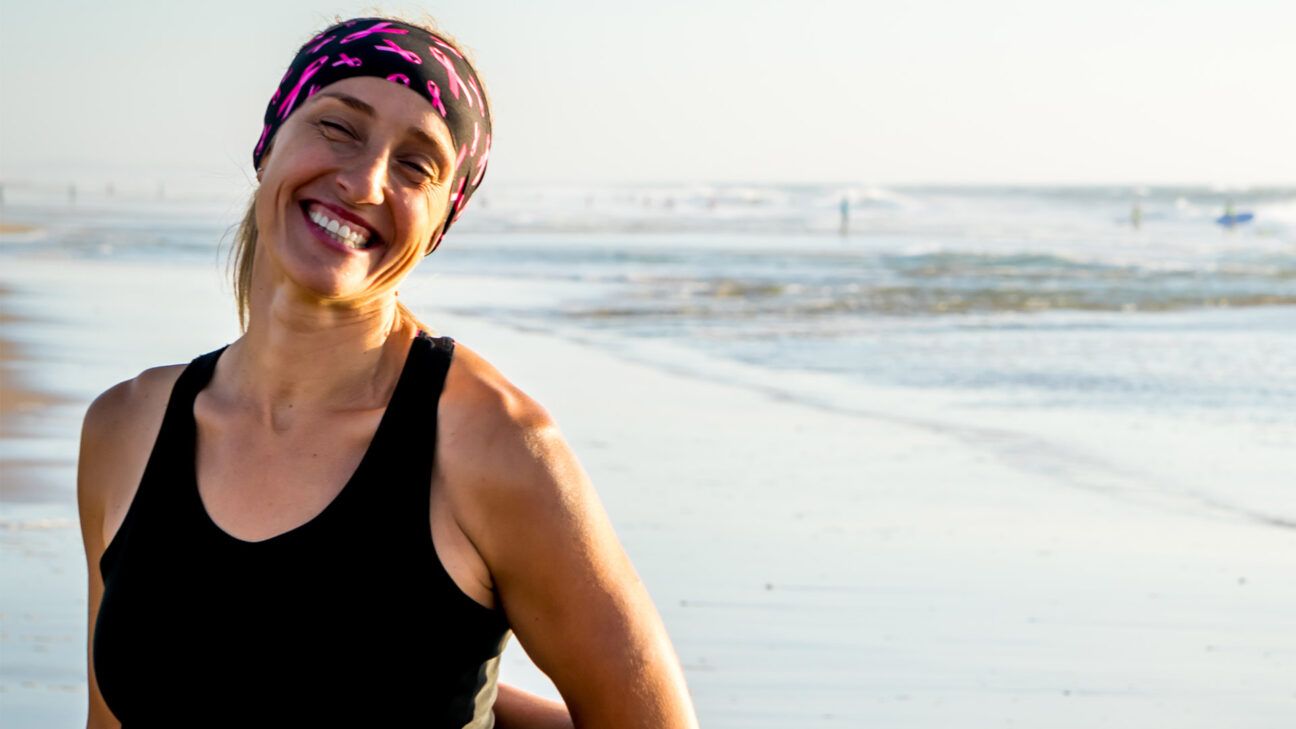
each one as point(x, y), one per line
point(126, 402)
point(117, 433)
point(478, 396)
point(490, 431)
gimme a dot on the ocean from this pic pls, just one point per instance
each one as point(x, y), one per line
point(1024, 297)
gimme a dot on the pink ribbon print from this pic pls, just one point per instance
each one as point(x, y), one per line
point(383, 27)
point(391, 47)
point(455, 198)
point(321, 43)
point(264, 132)
point(436, 97)
point(311, 70)
point(481, 105)
point(481, 162)
point(450, 48)
point(452, 73)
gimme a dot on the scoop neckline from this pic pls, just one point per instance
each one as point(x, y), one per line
point(325, 514)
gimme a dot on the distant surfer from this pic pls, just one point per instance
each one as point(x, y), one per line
point(845, 214)
point(1231, 218)
point(1136, 215)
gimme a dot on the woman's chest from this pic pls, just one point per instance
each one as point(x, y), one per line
point(256, 484)
point(261, 487)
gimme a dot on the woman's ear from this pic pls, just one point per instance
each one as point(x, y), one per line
point(265, 159)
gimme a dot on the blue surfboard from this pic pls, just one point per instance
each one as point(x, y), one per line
point(1235, 218)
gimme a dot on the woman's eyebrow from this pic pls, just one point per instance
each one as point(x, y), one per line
point(369, 111)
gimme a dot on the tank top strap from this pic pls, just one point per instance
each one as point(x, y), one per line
point(409, 441)
point(430, 371)
point(199, 372)
point(177, 422)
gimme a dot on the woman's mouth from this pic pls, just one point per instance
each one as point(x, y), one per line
point(338, 234)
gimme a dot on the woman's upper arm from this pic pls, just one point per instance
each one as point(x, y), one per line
point(115, 437)
point(94, 473)
point(571, 595)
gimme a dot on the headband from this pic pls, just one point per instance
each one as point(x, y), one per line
point(403, 54)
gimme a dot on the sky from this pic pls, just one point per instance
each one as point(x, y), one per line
point(813, 91)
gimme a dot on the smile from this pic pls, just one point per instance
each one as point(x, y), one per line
point(349, 235)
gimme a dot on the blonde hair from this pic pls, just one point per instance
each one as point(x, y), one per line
point(243, 251)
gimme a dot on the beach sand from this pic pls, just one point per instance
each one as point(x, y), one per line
point(815, 566)
point(22, 407)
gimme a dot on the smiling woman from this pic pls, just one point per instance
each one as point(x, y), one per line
point(340, 518)
point(369, 176)
point(245, 241)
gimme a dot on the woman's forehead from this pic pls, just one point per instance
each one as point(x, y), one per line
point(389, 102)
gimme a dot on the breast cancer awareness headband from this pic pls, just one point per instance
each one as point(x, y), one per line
point(403, 54)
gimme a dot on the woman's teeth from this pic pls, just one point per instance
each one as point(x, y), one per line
point(340, 231)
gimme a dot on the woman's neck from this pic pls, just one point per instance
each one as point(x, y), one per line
point(300, 358)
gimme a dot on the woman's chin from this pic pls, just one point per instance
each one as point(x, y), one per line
point(320, 273)
point(332, 285)
point(315, 280)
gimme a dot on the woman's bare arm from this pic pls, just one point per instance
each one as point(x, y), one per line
point(105, 436)
point(567, 586)
point(518, 709)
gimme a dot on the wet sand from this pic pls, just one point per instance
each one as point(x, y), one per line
point(40, 542)
point(23, 407)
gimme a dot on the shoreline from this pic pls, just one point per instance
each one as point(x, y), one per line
point(23, 405)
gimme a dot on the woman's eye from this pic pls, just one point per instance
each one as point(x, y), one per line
point(419, 168)
point(412, 165)
point(339, 127)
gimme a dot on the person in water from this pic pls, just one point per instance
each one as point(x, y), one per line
point(341, 517)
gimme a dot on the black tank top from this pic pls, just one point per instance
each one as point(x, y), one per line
point(349, 619)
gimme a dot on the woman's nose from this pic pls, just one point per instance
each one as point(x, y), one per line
point(365, 178)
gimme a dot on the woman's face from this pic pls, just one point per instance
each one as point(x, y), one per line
point(370, 154)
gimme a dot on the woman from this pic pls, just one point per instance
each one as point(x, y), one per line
point(340, 517)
